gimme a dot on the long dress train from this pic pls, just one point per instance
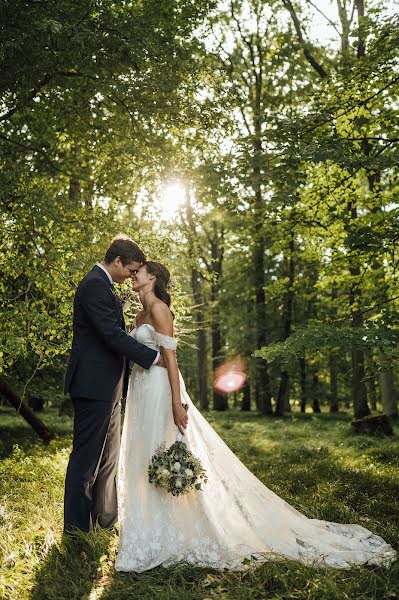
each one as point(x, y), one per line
point(234, 518)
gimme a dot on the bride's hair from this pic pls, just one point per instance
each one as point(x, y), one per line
point(162, 281)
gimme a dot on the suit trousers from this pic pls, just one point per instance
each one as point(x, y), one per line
point(90, 484)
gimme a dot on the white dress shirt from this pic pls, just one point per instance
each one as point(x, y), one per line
point(158, 356)
point(106, 272)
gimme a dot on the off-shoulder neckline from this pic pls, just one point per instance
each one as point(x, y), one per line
point(152, 327)
point(142, 325)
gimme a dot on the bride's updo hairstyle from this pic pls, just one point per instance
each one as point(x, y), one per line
point(162, 281)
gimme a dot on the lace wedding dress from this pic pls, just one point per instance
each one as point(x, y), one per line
point(234, 518)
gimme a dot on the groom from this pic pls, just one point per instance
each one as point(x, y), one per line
point(96, 380)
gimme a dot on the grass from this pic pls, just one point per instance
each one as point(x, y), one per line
point(313, 462)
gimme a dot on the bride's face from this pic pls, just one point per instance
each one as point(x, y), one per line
point(142, 280)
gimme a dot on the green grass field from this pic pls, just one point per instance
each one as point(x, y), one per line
point(313, 462)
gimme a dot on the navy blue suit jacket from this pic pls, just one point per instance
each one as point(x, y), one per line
point(100, 343)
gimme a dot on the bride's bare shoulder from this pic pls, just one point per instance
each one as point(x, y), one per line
point(160, 310)
point(161, 318)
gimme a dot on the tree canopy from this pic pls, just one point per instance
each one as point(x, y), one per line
point(283, 248)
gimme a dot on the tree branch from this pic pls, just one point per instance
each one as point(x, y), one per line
point(305, 46)
point(26, 100)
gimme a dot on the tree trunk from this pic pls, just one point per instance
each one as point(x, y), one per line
point(220, 401)
point(315, 393)
point(255, 129)
point(302, 371)
point(283, 403)
point(334, 405)
point(346, 27)
point(263, 395)
point(202, 362)
point(372, 392)
point(361, 48)
point(359, 390)
point(388, 394)
point(25, 412)
point(246, 401)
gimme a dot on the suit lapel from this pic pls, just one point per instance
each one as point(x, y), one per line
point(118, 305)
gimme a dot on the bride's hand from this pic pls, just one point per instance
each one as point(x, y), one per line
point(180, 416)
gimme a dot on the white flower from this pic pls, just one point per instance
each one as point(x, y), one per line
point(176, 467)
point(178, 483)
point(188, 473)
point(165, 473)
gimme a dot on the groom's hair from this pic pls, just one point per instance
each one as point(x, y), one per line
point(127, 250)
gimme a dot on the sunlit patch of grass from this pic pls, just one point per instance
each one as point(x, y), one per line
point(312, 462)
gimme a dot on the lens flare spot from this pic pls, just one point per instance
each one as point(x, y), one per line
point(230, 376)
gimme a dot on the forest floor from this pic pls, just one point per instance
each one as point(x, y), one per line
point(313, 462)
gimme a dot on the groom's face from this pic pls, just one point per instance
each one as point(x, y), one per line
point(122, 272)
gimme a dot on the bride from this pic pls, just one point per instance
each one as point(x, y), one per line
point(236, 517)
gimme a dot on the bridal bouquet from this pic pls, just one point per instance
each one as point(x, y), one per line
point(176, 469)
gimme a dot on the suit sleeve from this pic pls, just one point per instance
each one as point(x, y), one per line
point(97, 301)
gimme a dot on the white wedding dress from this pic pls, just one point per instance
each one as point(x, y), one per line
point(234, 518)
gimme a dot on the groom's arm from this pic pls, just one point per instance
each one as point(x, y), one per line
point(97, 301)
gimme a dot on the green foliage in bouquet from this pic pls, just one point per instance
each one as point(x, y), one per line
point(176, 469)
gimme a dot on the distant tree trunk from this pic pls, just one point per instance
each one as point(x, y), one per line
point(25, 412)
point(315, 393)
point(388, 394)
point(255, 127)
point(302, 371)
point(282, 403)
point(246, 401)
point(334, 405)
point(372, 392)
point(361, 48)
point(220, 401)
point(346, 25)
point(359, 390)
point(202, 362)
point(263, 394)
point(74, 189)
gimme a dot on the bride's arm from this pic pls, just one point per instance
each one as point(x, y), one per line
point(162, 321)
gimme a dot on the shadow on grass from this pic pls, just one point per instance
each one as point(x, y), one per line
point(274, 580)
point(72, 567)
point(15, 431)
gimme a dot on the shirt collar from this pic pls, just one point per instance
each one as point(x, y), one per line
point(106, 272)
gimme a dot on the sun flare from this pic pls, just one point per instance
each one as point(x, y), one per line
point(171, 199)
